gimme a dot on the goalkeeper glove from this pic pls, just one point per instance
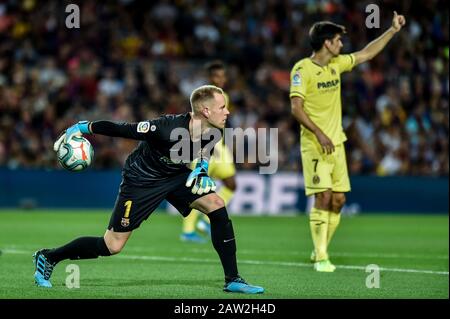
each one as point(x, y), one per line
point(203, 184)
point(81, 127)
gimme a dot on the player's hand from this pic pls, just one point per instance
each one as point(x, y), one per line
point(204, 185)
point(78, 129)
point(398, 22)
point(325, 142)
point(200, 179)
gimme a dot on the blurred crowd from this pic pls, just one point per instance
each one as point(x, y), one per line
point(134, 60)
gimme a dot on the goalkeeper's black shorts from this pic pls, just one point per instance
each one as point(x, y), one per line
point(134, 204)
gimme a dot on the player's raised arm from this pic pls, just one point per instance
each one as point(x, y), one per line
point(136, 131)
point(374, 47)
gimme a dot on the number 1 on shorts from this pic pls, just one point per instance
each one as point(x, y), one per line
point(128, 208)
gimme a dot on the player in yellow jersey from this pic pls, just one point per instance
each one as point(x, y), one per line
point(221, 167)
point(315, 94)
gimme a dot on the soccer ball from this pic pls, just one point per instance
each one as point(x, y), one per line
point(75, 155)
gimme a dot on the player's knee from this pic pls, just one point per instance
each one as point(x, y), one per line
point(115, 247)
point(208, 203)
point(324, 200)
point(338, 202)
point(216, 204)
point(114, 242)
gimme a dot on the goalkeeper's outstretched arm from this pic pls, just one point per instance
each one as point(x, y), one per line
point(135, 131)
point(116, 129)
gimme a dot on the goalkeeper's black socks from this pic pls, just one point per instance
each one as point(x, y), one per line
point(222, 236)
point(80, 248)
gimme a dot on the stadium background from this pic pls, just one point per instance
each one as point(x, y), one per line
point(133, 60)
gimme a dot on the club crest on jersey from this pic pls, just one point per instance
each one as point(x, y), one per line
point(316, 179)
point(143, 127)
point(296, 79)
point(125, 222)
point(333, 71)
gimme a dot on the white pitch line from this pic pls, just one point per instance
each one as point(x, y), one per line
point(254, 262)
point(340, 254)
point(280, 263)
point(276, 253)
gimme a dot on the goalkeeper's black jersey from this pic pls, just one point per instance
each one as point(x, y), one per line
point(162, 151)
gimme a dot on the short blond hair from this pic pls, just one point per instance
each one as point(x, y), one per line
point(202, 94)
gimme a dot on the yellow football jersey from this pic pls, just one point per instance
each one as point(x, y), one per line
point(320, 88)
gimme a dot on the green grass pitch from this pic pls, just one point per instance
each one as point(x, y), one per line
point(411, 251)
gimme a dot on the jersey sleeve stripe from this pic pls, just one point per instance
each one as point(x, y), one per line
point(296, 93)
point(353, 60)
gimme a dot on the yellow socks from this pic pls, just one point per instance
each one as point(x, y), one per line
point(333, 222)
point(190, 221)
point(318, 222)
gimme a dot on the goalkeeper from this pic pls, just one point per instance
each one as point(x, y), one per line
point(221, 167)
point(150, 175)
